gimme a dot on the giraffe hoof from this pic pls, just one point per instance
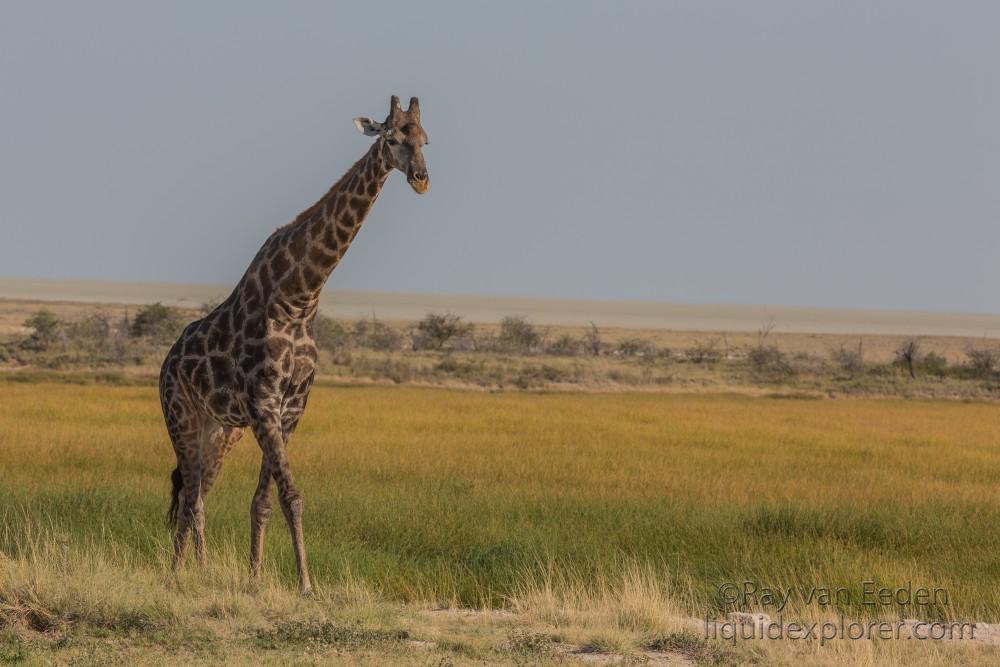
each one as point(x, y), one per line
point(306, 592)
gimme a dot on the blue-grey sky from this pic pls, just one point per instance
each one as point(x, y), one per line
point(838, 153)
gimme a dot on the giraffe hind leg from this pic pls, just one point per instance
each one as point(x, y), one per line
point(260, 512)
point(190, 506)
point(176, 483)
point(185, 427)
point(216, 443)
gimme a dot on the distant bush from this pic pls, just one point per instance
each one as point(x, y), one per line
point(564, 346)
point(158, 322)
point(330, 334)
point(934, 364)
point(47, 329)
point(375, 334)
point(769, 360)
point(95, 327)
point(517, 334)
point(983, 361)
point(704, 352)
point(636, 347)
point(437, 329)
point(850, 360)
point(96, 340)
point(474, 371)
point(807, 363)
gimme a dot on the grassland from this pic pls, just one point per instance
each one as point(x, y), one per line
point(601, 519)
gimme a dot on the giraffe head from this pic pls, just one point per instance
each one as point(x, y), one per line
point(405, 139)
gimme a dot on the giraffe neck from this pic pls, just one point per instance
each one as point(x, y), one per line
point(316, 241)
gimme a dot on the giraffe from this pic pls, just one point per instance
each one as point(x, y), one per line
point(250, 363)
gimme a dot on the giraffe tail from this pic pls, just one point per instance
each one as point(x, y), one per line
point(175, 495)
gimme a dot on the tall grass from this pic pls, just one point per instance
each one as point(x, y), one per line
point(446, 497)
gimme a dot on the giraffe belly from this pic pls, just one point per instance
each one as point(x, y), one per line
point(228, 408)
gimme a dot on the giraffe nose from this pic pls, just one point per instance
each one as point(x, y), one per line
point(418, 181)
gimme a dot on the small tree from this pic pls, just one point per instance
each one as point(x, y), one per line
point(852, 361)
point(518, 334)
point(157, 321)
point(982, 361)
point(330, 334)
point(47, 328)
point(908, 355)
point(97, 328)
point(764, 331)
point(376, 335)
point(769, 360)
point(592, 340)
point(436, 329)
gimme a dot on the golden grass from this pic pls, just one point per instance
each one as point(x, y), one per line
point(599, 519)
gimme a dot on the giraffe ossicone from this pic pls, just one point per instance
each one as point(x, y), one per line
point(250, 363)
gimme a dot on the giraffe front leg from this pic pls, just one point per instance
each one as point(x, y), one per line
point(271, 438)
point(260, 512)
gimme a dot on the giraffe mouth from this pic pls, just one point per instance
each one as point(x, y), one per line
point(419, 186)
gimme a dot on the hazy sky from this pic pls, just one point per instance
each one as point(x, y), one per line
point(802, 153)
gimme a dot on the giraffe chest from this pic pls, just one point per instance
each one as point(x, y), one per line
point(289, 354)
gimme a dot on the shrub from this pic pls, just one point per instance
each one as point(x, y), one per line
point(330, 334)
point(636, 347)
point(934, 364)
point(769, 360)
point(436, 329)
point(95, 328)
point(47, 329)
point(517, 334)
point(704, 353)
point(982, 361)
point(521, 641)
point(564, 346)
point(157, 321)
point(805, 362)
point(852, 361)
point(376, 335)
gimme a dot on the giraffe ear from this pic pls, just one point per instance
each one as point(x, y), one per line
point(368, 126)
